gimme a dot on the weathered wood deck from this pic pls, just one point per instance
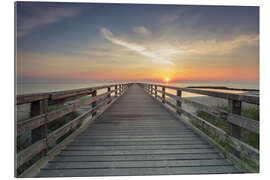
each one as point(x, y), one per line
point(137, 136)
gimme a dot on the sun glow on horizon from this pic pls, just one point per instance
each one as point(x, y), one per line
point(167, 79)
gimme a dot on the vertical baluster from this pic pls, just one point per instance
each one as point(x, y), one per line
point(109, 95)
point(115, 88)
point(37, 108)
point(235, 107)
point(234, 130)
point(178, 103)
point(94, 103)
point(156, 91)
point(163, 95)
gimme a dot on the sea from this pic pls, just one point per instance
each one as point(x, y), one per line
point(29, 88)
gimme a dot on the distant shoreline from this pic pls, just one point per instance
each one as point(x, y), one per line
point(222, 87)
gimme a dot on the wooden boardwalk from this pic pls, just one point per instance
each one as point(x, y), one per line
point(137, 136)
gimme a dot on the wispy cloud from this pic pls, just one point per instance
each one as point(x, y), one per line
point(214, 47)
point(44, 17)
point(107, 34)
point(141, 30)
point(171, 16)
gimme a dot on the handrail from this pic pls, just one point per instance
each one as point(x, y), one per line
point(231, 96)
point(59, 95)
point(233, 117)
point(37, 123)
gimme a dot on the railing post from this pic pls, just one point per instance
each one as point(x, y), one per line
point(155, 91)
point(115, 92)
point(94, 103)
point(37, 108)
point(235, 107)
point(178, 103)
point(163, 95)
point(234, 130)
point(109, 95)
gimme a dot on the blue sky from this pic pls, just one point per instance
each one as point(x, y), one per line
point(73, 41)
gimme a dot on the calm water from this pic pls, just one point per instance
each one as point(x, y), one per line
point(25, 88)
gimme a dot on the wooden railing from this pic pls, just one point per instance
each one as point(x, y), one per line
point(235, 121)
point(40, 117)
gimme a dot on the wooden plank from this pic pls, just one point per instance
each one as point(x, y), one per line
point(28, 98)
point(219, 113)
point(137, 136)
point(194, 138)
point(250, 152)
point(247, 123)
point(141, 129)
point(142, 157)
point(148, 147)
point(136, 143)
point(137, 164)
point(133, 135)
point(139, 171)
point(217, 132)
point(29, 152)
point(136, 152)
point(68, 94)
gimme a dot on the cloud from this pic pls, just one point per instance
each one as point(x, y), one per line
point(171, 16)
point(43, 17)
point(141, 30)
point(107, 34)
point(221, 48)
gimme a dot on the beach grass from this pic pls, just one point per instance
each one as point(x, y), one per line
point(247, 136)
point(24, 141)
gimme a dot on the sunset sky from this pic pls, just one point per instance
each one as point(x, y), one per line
point(69, 42)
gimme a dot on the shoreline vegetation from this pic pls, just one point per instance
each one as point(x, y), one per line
point(223, 88)
point(248, 110)
point(24, 140)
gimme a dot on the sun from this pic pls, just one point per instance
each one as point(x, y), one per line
point(167, 79)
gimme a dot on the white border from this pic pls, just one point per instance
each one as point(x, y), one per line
point(7, 88)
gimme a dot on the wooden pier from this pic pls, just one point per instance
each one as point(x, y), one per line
point(134, 135)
